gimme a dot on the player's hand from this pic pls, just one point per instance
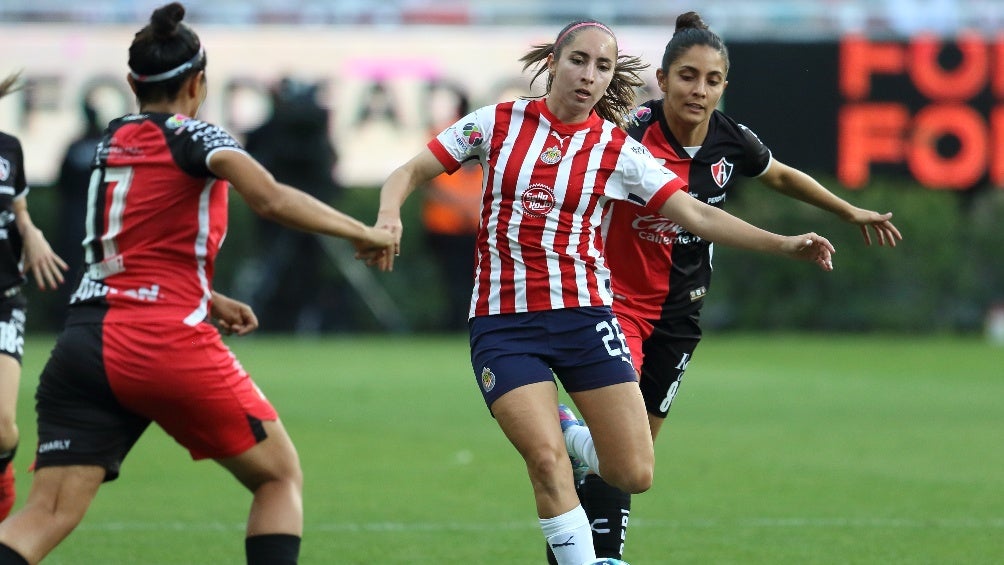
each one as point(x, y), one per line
point(42, 262)
point(233, 316)
point(390, 223)
point(810, 247)
point(885, 231)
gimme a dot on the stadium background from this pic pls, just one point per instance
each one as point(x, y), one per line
point(894, 105)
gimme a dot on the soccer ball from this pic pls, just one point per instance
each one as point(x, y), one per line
point(606, 561)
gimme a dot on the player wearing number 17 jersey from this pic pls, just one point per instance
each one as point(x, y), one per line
point(138, 344)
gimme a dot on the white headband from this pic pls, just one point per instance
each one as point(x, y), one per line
point(166, 75)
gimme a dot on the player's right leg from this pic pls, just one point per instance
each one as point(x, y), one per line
point(271, 471)
point(57, 501)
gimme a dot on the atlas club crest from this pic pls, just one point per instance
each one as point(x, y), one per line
point(721, 172)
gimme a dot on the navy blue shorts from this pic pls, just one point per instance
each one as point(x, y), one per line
point(583, 347)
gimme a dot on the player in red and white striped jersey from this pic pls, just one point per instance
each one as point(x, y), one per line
point(138, 345)
point(541, 301)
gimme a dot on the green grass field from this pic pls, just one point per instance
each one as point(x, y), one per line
point(800, 450)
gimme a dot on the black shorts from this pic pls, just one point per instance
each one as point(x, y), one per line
point(13, 313)
point(101, 431)
point(668, 350)
point(583, 347)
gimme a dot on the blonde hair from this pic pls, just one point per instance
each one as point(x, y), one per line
point(619, 99)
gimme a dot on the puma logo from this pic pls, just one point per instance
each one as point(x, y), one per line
point(567, 543)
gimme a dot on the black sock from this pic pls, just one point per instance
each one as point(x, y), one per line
point(608, 509)
point(6, 458)
point(10, 557)
point(272, 549)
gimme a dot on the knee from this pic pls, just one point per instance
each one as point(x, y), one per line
point(633, 478)
point(544, 465)
point(8, 433)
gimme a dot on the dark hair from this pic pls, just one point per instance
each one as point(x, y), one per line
point(164, 45)
point(9, 84)
point(620, 94)
point(691, 31)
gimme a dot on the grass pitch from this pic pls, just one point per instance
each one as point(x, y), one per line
point(779, 449)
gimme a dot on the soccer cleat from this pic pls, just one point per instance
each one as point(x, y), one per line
point(7, 494)
point(568, 419)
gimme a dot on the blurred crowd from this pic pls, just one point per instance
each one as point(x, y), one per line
point(735, 19)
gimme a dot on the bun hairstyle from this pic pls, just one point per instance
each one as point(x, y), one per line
point(164, 54)
point(690, 31)
point(620, 95)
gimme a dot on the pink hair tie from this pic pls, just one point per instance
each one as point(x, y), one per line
point(583, 24)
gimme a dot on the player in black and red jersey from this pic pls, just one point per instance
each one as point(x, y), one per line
point(661, 272)
point(138, 346)
point(23, 249)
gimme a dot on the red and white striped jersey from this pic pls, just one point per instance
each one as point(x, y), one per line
point(546, 188)
point(156, 217)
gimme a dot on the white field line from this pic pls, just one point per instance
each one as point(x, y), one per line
point(890, 523)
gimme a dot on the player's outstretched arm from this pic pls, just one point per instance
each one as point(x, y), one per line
point(718, 226)
point(799, 185)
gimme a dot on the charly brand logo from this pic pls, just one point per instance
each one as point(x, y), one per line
point(721, 172)
point(538, 200)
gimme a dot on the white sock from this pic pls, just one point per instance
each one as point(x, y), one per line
point(570, 537)
point(579, 442)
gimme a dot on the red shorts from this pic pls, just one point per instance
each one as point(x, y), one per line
point(636, 330)
point(104, 383)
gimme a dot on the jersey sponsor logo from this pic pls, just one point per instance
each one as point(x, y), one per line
point(721, 172)
point(538, 200)
point(487, 379)
point(89, 289)
point(472, 135)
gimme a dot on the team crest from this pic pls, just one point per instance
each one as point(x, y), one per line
point(538, 200)
point(487, 379)
point(4, 169)
point(643, 113)
point(551, 155)
point(721, 172)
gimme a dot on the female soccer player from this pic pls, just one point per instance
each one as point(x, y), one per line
point(137, 347)
point(17, 234)
point(662, 270)
point(541, 298)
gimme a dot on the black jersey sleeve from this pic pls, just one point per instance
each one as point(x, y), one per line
point(194, 141)
point(757, 154)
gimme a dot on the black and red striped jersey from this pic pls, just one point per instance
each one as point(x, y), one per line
point(12, 186)
point(658, 269)
point(156, 217)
